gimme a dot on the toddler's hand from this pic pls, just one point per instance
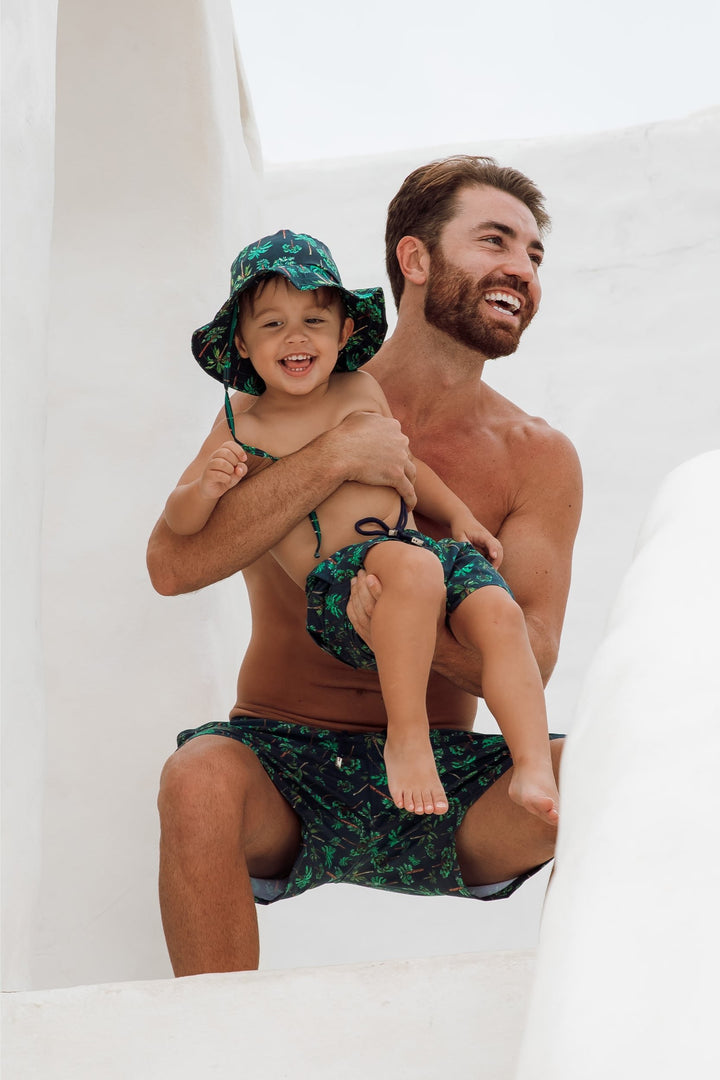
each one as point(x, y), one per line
point(470, 530)
point(223, 471)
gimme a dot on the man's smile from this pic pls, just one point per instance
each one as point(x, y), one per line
point(503, 301)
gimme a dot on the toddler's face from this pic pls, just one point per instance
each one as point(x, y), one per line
point(292, 337)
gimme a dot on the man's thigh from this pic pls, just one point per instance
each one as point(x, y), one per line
point(223, 783)
point(498, 840)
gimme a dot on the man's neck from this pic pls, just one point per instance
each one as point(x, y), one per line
point(426, 368)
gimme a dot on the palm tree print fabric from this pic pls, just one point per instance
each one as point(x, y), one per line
point(352, 832)
point(328, 589)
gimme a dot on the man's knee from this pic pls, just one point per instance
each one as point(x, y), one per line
point(206, 779)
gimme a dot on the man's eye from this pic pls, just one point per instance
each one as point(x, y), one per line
point(537, 259)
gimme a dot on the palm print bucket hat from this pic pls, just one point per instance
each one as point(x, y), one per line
point(307, 264)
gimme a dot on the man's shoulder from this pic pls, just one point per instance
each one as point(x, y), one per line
point(525, 432)
point(541, 459)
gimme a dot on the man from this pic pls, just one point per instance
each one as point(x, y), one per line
point(463, 254)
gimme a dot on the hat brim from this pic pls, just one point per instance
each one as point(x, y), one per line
point(215, 350)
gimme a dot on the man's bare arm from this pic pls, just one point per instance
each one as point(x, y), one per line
point(538, 538)
point(255, 515)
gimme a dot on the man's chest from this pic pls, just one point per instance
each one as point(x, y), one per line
point(476, 466)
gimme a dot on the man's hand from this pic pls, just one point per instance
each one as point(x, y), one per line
point(365, 590)
point(376, 451)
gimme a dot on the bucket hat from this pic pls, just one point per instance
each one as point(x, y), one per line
point(307, 264)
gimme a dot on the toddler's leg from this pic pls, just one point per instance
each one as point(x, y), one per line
point(491, 622)
point(404, 629)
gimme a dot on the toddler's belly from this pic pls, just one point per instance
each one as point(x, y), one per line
point(336, 517)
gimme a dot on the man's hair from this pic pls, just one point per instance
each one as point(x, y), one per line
point(428, 196)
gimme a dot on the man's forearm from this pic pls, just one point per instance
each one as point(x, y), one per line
point(245, 524)
point(249, 520)
point(463, 667)
point(545, 647)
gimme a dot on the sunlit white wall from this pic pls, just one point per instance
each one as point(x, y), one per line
point(157, 169)
point(28, 134)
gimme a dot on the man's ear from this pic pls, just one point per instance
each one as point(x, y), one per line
point(345, 331)
point(413, 259)
point(240, 345)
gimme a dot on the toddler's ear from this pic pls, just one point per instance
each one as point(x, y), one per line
point(345, 331)
point(239, 345)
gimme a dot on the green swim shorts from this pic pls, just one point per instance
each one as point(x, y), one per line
point(327, 589)
point(352, 832)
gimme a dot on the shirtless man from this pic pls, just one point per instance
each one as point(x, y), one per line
point(464, 249)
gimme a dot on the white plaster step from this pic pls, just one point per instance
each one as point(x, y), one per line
point(420, 1019)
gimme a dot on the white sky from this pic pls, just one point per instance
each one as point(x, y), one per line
point(338, 78)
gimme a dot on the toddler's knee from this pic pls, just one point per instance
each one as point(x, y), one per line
point(422, 570)
point(506, 612)
point(406, 567)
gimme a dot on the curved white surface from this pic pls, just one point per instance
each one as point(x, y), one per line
point(627, 979)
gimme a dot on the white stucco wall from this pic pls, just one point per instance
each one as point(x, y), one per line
point(157, 170)
point(28, 132)
point(423, 1019)
point(157, 187)
point(629, 953)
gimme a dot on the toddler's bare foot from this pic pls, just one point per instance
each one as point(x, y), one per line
point(412, 776)
point(535, 789)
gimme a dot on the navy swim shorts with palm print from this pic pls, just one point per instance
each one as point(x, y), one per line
point(352, 832)
point(328, 589)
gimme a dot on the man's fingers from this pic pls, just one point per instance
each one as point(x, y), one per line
point(405, 485)
point(364, 592)
point(367, 591)
point(373, 585)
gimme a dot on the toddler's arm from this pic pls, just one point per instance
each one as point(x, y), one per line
point(196, 495)
point(435, 500)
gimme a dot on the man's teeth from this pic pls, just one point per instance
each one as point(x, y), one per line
point(504, 298)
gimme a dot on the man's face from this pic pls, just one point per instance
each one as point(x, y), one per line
point(483, 286)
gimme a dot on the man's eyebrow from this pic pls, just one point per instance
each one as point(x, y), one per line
point(506, 230)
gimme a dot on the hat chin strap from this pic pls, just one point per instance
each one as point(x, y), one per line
point(231, 424)
point(226, 374)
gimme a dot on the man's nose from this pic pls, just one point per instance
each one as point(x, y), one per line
point(518, 263)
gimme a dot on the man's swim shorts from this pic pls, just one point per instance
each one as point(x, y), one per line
point(352, 832)
point(328, 589)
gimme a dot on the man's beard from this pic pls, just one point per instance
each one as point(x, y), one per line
point(454, 304)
